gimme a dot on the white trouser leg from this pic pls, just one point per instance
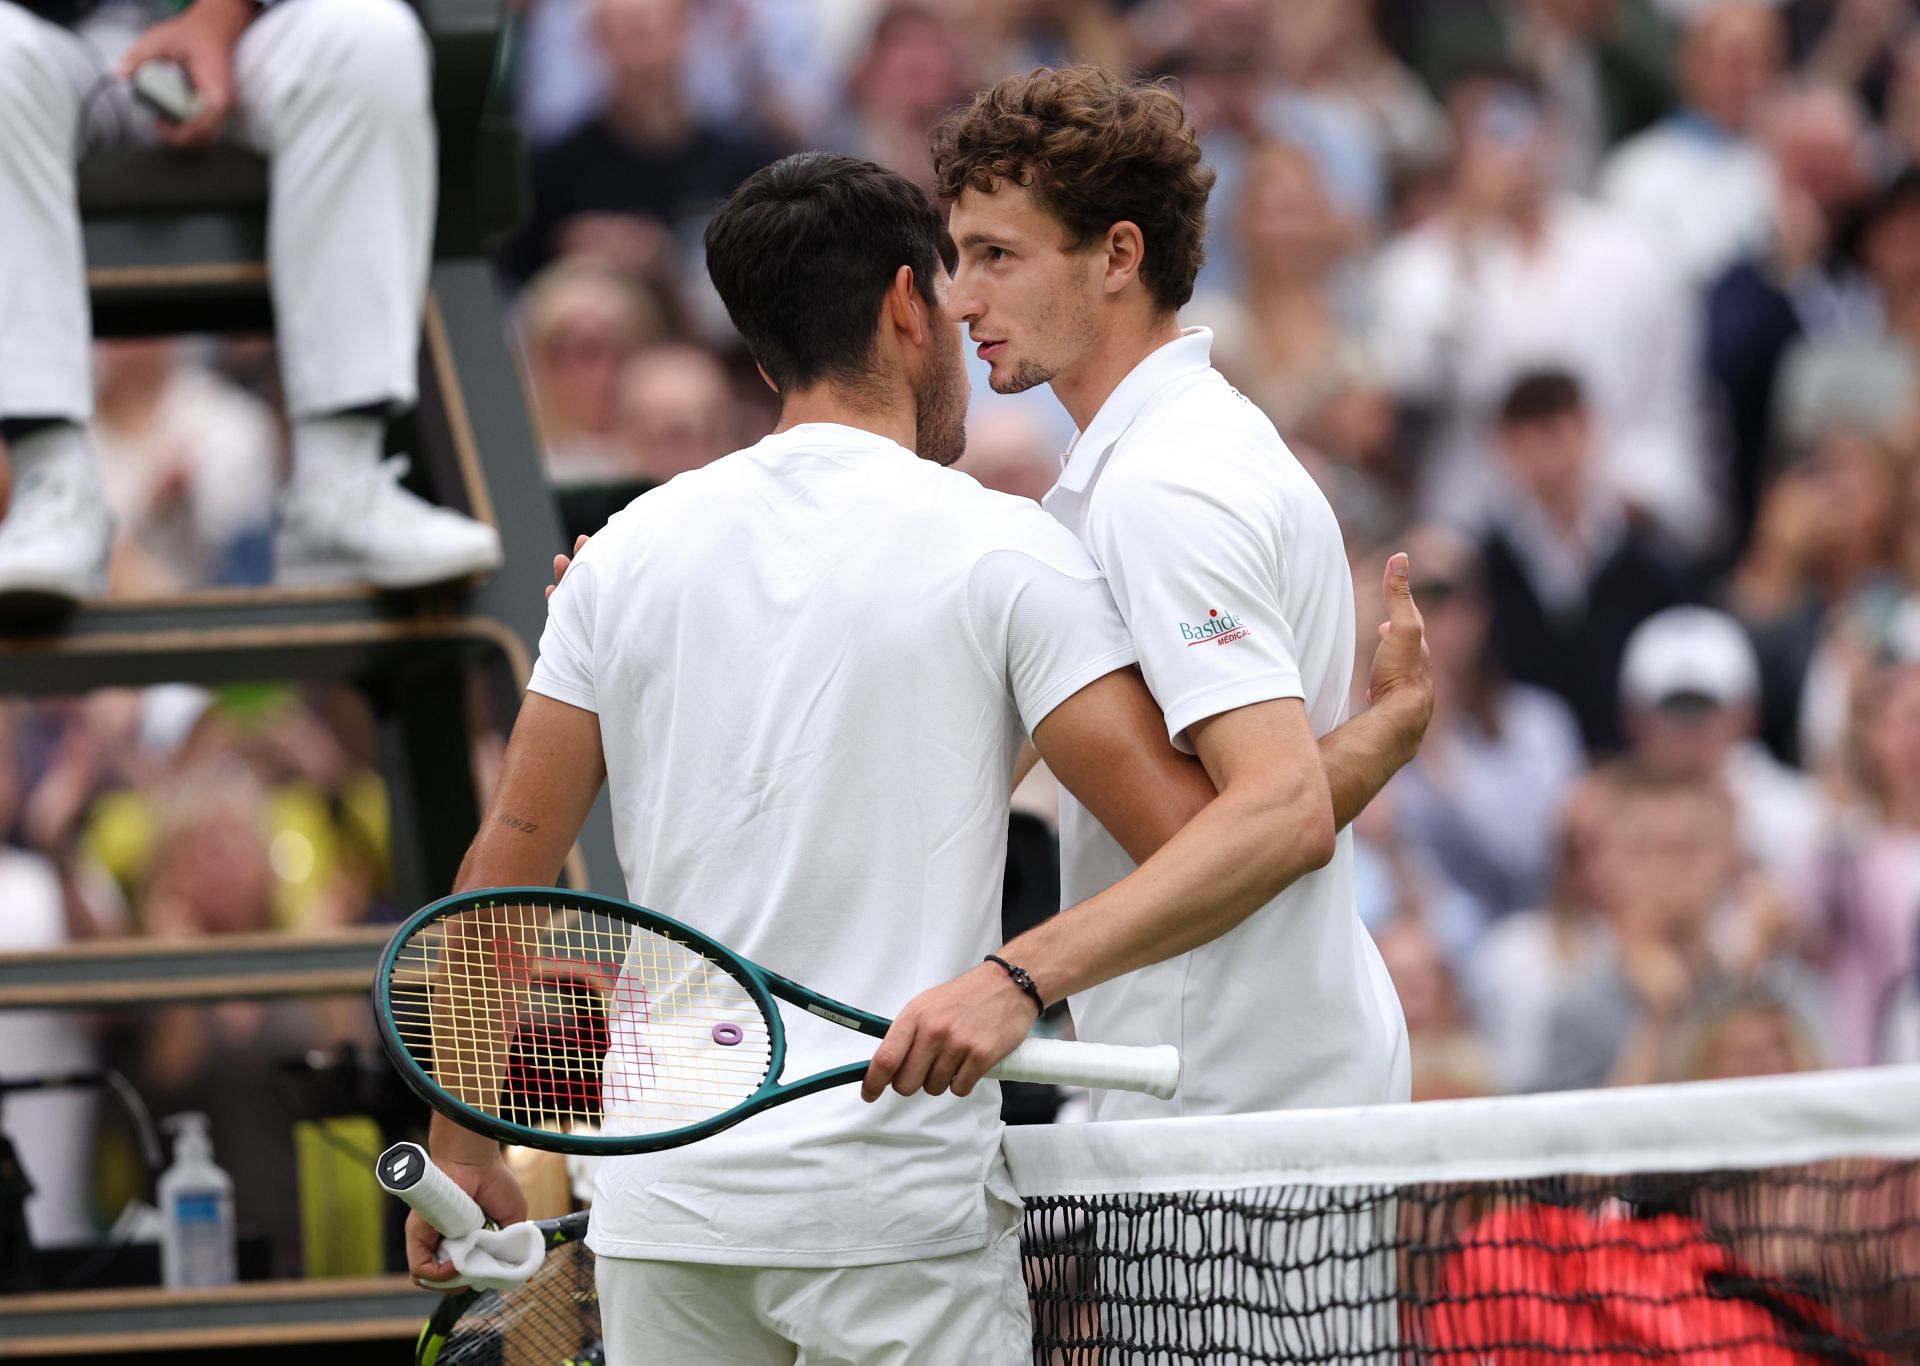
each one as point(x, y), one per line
point(45, 323)
point(337, 94)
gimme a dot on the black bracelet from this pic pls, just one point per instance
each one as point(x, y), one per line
point(1021, 979)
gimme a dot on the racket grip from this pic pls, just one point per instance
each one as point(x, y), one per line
point(406, 1171)
point(1106, 1066)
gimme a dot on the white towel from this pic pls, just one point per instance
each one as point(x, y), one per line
point(493, 1258)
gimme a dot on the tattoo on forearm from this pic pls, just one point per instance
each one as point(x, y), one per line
point(515, 823)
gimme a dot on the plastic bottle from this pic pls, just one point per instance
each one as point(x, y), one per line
point(196, 1210)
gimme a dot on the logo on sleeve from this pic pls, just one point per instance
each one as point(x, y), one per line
point(1220, 628)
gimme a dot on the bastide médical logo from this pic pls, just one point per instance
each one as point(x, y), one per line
point(1220, 628)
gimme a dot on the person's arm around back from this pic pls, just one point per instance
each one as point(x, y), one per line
point(1215, 839)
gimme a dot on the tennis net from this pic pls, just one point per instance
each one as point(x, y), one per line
point(1751, 1222)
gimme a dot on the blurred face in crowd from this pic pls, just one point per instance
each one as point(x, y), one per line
point(1421, 977)
point(1287, 221)
point(1818, 142)
point(1452, 602)
point(1856, 479)
point(1731, 58)
point(1026, 294)
point(1503, 148)
point(1549, 457)
point(912, 71)
point(1688, 737)
point(641, 39)
point(1676, 857)
point(1891, 251)
point(214, 871)
point(675, 410)
point(1750, 1040)
point(584, 337)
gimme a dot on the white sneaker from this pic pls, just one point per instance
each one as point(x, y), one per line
point(371, 530)
point(55, 537)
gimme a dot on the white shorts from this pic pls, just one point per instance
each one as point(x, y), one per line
point(966, 1307)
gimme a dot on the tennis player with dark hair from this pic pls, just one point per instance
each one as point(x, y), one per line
point(805, 672)
point(1079, 212)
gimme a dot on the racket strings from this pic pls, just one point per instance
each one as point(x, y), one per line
point(554, 1317)
point(565, 1020)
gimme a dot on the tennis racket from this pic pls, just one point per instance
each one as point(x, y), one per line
point(578, 1023)
point(552, 1320)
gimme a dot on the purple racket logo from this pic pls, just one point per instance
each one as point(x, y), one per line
point(727, 1035)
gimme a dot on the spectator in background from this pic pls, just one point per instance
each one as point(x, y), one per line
point(1449, 1061)
point(1866, 381)
point(1699, 181)
point(1690, 686)
point(1864, 486)
point(1489, 288)
point(910, 77)
point(1288, 339)
point(1481, 801)
point(676, 413)
point(190, 462)
point(1332, 49)
point(1516, 977)
point(1687, 925)
point(1802, 282)
point(1018, 35)
point(213, 874)
point(1748, 1034)
point(1828, 527)
point(1603, 63)
point(631, 185)
point(580, 323)
point(1569, 574)
point(1863, 893)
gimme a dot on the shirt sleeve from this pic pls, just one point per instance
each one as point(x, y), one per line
point(1198, 580)
point(564, 670)
point(1047, 624)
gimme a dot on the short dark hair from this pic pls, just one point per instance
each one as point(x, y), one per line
point(1097, 149)
point(803, 253)
point(1540, 396)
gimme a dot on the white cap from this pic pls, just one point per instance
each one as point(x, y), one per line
point(1689, 651)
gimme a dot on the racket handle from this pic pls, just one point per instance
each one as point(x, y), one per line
point(406, 1171)
point(1105, 1066)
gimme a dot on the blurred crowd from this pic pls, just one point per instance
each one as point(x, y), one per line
point(1608, 310)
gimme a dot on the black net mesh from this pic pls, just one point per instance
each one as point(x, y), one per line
point(1813, 1263)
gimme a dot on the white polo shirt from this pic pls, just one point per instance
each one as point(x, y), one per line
point(813, 662)
point(1228, 566)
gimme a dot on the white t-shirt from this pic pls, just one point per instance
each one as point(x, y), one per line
point(813, 662)
point(1227, 564)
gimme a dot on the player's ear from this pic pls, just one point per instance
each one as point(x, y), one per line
point(1126, 251)
point(765, 376)
point(904, 310)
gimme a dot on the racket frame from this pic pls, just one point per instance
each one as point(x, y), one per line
point(763, 986)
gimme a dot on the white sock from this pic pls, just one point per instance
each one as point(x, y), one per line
point(329, 450)
point(60, 447)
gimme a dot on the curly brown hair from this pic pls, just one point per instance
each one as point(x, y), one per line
point(1097, 149)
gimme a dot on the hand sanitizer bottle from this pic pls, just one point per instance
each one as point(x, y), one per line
point(196, 1210)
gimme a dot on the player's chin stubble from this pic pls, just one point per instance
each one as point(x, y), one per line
point(1027, 374)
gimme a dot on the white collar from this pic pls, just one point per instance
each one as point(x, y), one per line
point(834, 436)
point(1188, 354)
